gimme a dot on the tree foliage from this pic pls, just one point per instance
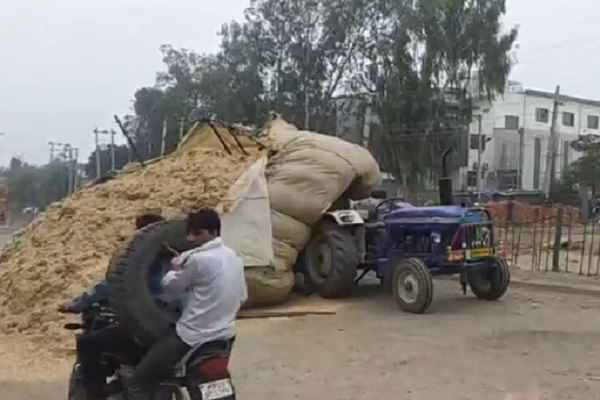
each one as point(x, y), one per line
point(423, 68)
point(584, 172)
point(33, 186)
point(418, 66)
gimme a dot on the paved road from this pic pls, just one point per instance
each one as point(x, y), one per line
point(463, 349)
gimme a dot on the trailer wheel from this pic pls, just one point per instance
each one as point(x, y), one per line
point(412, 286)
point(490, 283)
point(330, 260)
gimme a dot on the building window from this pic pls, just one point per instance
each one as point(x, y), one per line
point(593, 122)
point(511, 122)
point(475, 142)
point(542, 115)
point(568, 119)
point(472, 179)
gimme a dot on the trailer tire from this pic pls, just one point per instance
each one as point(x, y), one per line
point(412, 286)
point(490, 284)
point(331, 259)
point(129, 280)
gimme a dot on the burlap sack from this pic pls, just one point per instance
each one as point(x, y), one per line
point(267, 287)
point(289, 230)
point(309, 171)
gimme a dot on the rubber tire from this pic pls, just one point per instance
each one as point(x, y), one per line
point(128, 277)
point(344, 260)
point(415, 267)
point(498, 281)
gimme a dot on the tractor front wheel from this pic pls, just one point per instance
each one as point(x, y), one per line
point(490, 283)
point(412, 286)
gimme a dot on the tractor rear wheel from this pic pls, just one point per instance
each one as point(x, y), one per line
point(412, 286)
point(490, 283)
point(331, 259)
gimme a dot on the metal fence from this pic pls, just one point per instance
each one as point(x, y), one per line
point(559, 241)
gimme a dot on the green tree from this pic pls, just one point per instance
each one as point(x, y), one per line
point(421, 68)
point(584, 172)
point(32, 186)
point(311, 46)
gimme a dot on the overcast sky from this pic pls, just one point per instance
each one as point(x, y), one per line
point(67, 66)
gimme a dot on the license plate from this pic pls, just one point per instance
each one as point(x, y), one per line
point(480, 253)
point(216, 390)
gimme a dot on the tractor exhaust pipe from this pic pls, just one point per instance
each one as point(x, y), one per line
point(445, 183)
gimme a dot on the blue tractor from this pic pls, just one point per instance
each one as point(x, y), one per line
point(406, 246)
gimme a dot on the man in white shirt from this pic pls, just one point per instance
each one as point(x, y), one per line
point(211, 278)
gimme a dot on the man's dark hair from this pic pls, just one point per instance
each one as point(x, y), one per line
point(144, 220)
point(205, 218)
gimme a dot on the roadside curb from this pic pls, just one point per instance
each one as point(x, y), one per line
point(555, 287)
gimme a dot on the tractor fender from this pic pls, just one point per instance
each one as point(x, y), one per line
point(353, 220)
point(345, 217)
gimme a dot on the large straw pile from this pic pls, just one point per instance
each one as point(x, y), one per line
point(68, 248)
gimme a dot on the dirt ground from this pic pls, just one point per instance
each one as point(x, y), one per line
point(463, 349)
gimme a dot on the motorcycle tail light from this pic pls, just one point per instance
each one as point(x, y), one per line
point(214, 368)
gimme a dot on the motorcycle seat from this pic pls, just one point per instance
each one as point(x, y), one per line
point(202, 352)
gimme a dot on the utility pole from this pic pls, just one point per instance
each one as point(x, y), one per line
point(54, 146)
point(75, 169)
point(163, 142)
point(306, 95)
point(111, 148)
point(113, 164)
point(181, 123)
point(366, 139)
point(479, 152)
point(521, 156)
point(307, 50)
point(98, 165)
point(69, 153)
point(549, 179)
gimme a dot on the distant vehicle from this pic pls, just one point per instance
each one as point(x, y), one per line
point(30, 211)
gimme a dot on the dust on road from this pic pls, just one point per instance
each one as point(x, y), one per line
point(463, 349)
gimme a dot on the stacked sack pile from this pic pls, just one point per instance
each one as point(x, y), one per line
point(306, 173)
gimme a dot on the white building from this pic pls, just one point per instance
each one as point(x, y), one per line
point(518, 124)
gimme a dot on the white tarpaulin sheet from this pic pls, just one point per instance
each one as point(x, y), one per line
point(246, 223)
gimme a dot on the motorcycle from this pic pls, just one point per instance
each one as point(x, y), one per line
point(201, 375)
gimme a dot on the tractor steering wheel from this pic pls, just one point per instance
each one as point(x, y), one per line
point(386, 203)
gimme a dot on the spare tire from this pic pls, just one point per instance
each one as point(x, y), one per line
point(130, 275)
